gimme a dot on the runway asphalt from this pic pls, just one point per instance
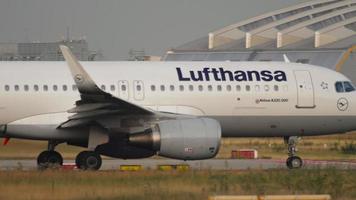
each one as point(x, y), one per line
point(213, 164)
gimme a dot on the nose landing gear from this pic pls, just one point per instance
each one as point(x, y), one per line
point(293, 161)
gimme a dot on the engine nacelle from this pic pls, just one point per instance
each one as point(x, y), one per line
point(185, 139)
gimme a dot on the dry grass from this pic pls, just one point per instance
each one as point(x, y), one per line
point(27, 149)
point(321, 147)
point(79, 185)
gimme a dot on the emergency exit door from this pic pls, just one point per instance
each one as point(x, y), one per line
point(305, 89)
point(124, 90)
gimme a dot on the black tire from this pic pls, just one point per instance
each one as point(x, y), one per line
point(79, 159)
point(89, 160)
point(55, 159)
point(294, 162)
point(42, 161)
point(288, 163)
point(49, 159)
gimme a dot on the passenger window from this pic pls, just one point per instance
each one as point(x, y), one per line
point(181, 87)
point(210, 87)
point(7, 87)
point(219, 88)
point(163, 88)
point(138, 87)
point(228, 87)
point(191, 87)
point(153, 88)
point(74, 87)
point(200, 87)
point(123, 87)
point(103, 87)
point(112, 87)
point(276, 88)
point(248, 88)
point(64, 87)
point(55, 87)
point(35, 87)
point(339, 87)
point(26, 87)
point(17, 87)
point(171, 87)
point(348, 87)
point(266, 88)
point(238, 88)
point(45, 88)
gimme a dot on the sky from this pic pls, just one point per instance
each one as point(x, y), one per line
point(116, 26)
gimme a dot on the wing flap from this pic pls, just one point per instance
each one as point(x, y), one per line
point(93, 114)
point(75, 123)
point(89, 107)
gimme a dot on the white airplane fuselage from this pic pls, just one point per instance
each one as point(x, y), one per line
point(248, 98)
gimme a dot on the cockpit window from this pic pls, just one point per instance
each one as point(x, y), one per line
point(348, 87)
point(339, 87)
point(345, 86)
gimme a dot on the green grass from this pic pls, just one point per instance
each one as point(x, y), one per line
point(174, 185)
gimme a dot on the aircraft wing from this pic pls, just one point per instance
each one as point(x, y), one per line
point(94, 102)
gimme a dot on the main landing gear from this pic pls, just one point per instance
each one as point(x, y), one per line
point(85, 160)
point(293, 161)
point(50, 158)
point(88, 160)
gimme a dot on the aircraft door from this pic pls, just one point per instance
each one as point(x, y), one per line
point(305, 89)
point(138, 90)
point(124, 90)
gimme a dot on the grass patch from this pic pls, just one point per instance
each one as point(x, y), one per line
point(318, 147)
point(349, 148)
point(79, 185)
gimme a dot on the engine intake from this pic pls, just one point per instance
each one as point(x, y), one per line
point(185, 139)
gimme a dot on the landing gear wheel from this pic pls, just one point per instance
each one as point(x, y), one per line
point(48, 159)
point(88, 160)
point(42, 159)
point(79, 158)
point(294, 162)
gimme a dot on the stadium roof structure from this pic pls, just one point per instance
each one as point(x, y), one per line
point(313, 24)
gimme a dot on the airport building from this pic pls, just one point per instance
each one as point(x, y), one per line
point(40, 51)
point(319, 32)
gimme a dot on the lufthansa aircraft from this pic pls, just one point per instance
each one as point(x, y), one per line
point(177, 110)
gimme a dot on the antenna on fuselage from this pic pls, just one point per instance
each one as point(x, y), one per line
point(286, 59)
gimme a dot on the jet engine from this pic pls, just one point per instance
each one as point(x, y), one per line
point(185, 139)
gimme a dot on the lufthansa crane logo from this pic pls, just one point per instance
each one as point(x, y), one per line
point(79, 78)
point(342, 104)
